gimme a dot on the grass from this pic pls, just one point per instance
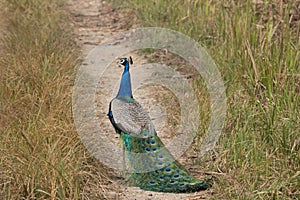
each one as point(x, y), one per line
point(41, 156)
point(256, 46)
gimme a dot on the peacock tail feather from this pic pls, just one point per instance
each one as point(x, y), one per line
point(162, 172)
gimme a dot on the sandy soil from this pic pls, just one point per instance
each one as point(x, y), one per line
point(94, 21)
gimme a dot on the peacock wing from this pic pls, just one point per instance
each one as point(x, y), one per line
point(130, 117)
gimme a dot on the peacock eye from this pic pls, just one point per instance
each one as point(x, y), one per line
point(122, 61)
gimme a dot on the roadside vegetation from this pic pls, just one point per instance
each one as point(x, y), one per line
point(41, 156)
point(256, 47)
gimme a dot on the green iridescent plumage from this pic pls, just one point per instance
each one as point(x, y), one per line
point(151, 165)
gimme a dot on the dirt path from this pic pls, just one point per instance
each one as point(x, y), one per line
point(94, 21)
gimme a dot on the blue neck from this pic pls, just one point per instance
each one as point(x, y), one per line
point(125, 85)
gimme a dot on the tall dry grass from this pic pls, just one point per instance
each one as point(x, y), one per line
point(41, 156)
point(256, 45)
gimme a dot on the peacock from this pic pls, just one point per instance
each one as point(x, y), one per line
point(152, 165)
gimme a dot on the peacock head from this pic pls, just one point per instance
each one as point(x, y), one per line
point(125, 61)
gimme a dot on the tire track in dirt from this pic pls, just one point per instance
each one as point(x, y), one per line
point(93, 22)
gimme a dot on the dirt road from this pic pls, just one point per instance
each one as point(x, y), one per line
point(94, 21)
